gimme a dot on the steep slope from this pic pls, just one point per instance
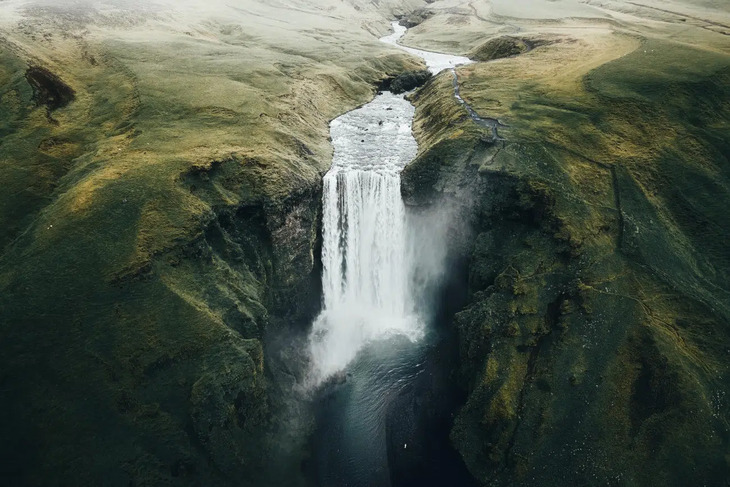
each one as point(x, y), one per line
point(594, 348)
point(162, 168)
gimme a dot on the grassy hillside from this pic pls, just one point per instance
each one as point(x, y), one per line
point(160, 216)
point(595, 345)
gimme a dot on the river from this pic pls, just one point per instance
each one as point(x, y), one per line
point(385, 395)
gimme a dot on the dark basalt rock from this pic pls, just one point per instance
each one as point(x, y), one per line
point(498, 48)
point(417, 17)
point(407, 81)
point(49, 89)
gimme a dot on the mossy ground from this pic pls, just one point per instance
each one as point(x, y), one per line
point(595, 345)
point(156, 228)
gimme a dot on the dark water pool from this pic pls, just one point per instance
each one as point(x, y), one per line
point(387, 424)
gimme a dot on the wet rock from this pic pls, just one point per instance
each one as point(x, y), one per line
point(409, 80)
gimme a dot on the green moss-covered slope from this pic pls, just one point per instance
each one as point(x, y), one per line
point(159, 217)
point(595, 344)
point(498, 48)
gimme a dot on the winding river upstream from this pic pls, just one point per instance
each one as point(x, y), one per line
point(371, 349)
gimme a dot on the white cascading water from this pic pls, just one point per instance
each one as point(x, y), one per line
point(366, 273)
point(367, 267)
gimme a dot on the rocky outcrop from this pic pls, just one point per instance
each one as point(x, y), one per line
point(406, 81)
point(416, 17)
point(49, 89)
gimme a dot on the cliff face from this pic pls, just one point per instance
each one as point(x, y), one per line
point(594, 346)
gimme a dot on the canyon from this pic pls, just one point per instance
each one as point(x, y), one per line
point(161, 263)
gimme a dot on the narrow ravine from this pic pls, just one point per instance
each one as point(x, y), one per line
point(374, 359)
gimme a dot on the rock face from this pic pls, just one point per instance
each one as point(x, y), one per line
point(416, 17)
point(406, 81)
point(594, 345)
point(48, 89)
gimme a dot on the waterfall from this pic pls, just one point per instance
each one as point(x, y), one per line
point(383, 270)
point(366, 266)
point(370, 260)
point(364, 242)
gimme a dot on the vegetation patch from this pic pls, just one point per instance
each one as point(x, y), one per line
point(498, 48)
